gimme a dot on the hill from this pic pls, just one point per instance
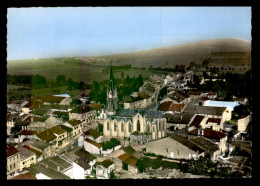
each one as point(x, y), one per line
point(222, 51)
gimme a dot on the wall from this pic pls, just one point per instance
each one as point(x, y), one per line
point(159, 147)
point(242, 123)
point(13, 160)
point(91, 148)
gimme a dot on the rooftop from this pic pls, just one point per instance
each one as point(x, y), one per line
point(46, 135)
point(229, 104)
point(57, 130)
point(208, 133)
point(24, 152)
point(11, 150)
point(25, 176)
point(98, 145)
point(36, 143)
point(209, 110)
point(184, 141)
point(74, 122)
point(183, 118)
point(92, 132)
point(205, 144)
point(197, 120)
point(106, 163)
point(82, 109)
point(214, 120)
point(146, 113)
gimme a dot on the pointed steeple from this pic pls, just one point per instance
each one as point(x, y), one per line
point(111, 78)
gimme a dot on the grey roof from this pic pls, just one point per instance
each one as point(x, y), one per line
point(18, 122)
point(186, 143)
point(146, 113)
point(209, 110)
point(24, 153)
point(84, 158)
point(50, 172)
point(36, 143)
point(205, 144)
point(181, 118)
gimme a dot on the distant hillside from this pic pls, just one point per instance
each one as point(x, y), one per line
point(220, 51)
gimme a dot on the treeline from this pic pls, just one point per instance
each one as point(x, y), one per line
point(38, 81)
point(33, 81)
point(178, 68)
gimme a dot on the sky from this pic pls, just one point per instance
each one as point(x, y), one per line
point(91, 31)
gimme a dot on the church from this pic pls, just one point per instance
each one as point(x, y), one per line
point(139, 125)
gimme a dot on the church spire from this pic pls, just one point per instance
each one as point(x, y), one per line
point(112, 99)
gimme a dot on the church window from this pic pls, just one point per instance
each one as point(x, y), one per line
point(138, 126)
point(122, 127)
point(129, 127)
point(107, 125)
point(115, 126)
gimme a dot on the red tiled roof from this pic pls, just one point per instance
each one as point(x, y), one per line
point(197, 120)
point(176, 107)
point(38, 153)
point(204, 98)
point(92, 132)
point(98, 145)
point(214, 120)
point(11, 150)
point(26, 176)
point(74, 122)
point(35, 118)
point(165, 106)
point(212, 93)
point(27, 132)
point(194, 93)
point(209, 133)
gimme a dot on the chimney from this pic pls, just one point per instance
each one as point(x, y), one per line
point(58, 168)
point(46, 166)
point(47, 132)
point(31, 119)
point(181, 117)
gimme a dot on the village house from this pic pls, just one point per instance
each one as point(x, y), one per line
point(217, 137)
point(179, 97)
point(93, 135)
point(27, 157)
point(208, 146)
point(141, 101)
point(222, 113)
point(83, 113)
point(92, 146)
point(178, 120)
point(12, 160)
point(104, 168)
point(61, 134)
point(41, 123)
point(69, 131)
point(49, 137)
point(57, 167)
point(42, 149)
point(228, 104)
point(174, 146)
point(76, 125)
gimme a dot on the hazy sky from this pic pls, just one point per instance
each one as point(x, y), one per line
point(86, 31)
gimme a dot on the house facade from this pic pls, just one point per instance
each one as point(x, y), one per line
point(13, 160)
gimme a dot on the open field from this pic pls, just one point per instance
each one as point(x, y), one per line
point(77, 72)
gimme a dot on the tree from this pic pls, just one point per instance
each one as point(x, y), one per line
point(122, 75)
point(124, 166)
point(112, 175)
point(61, 80)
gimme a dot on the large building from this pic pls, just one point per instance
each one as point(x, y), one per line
point(125, 122)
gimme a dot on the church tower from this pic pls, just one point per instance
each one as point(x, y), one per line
point(112, 99)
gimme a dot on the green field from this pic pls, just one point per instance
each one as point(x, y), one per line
point(71, 68)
